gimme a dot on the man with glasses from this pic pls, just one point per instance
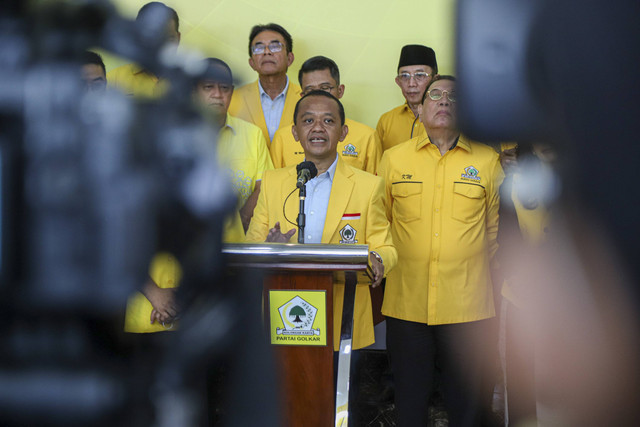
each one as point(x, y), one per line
point(360, 149)
point(416, 68)
point(268, 102)
point(442, 201)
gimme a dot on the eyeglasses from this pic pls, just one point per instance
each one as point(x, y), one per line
point(419, 76)
point(259, 48)
point(309, 89)
point(437, 94)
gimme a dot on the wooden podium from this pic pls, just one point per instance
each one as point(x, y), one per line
point(305, 372)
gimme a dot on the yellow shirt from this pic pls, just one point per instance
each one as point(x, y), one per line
point(444, 222)
point(360, 149)
point(245, 104)
point(394, 127)
point(243, 151)
point(132, 80)
point(166, 273)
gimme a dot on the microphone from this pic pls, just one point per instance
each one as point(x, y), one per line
point(306, 171)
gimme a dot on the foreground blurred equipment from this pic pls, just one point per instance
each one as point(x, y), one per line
point(526, 73)
point(86, 179)
point(93, 72)
point(134, 80)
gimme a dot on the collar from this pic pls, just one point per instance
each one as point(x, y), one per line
point(137, 69)
point(263, 93)
point(228, 125)
point(331, 172)
point(463, 143)
point(459, 142)
point(407, 110)
point(332, 169)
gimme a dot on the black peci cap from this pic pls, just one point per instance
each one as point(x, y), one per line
point(417, 54)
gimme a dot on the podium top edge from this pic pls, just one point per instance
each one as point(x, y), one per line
point(292, 253)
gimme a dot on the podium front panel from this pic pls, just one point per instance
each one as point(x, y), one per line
point(305, 372)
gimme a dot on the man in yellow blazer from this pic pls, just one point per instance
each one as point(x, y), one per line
point(344, 205)
point(269, 101)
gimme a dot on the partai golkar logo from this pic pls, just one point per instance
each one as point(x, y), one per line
point(471, 173)
point(297, 317)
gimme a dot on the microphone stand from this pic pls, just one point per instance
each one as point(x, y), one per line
point(301, 216)
point(306, 171)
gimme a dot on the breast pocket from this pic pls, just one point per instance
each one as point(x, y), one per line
point(407, 200)
point(468, 202)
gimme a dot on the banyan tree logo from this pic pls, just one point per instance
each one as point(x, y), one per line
point(350, 150)
point(348, 234)
point(297, 317)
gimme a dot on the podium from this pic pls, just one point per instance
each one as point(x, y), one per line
point(305, 369)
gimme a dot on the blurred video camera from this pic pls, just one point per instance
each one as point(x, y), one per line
point(564, 73)
point(91, 185)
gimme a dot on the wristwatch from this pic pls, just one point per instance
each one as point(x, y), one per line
point(377, 256)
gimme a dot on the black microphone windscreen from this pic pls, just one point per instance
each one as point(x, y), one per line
point(313, 171)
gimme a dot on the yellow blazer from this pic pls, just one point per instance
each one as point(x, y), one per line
point(353, 192)
point(245, 103)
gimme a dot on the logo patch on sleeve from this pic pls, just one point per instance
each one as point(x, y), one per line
point(348, 234)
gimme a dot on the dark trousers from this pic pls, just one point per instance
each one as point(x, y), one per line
point(461, 350)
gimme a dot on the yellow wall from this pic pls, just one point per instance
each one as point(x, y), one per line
point(363, 37)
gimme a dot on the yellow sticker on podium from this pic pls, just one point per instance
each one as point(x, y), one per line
point(298, 317)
